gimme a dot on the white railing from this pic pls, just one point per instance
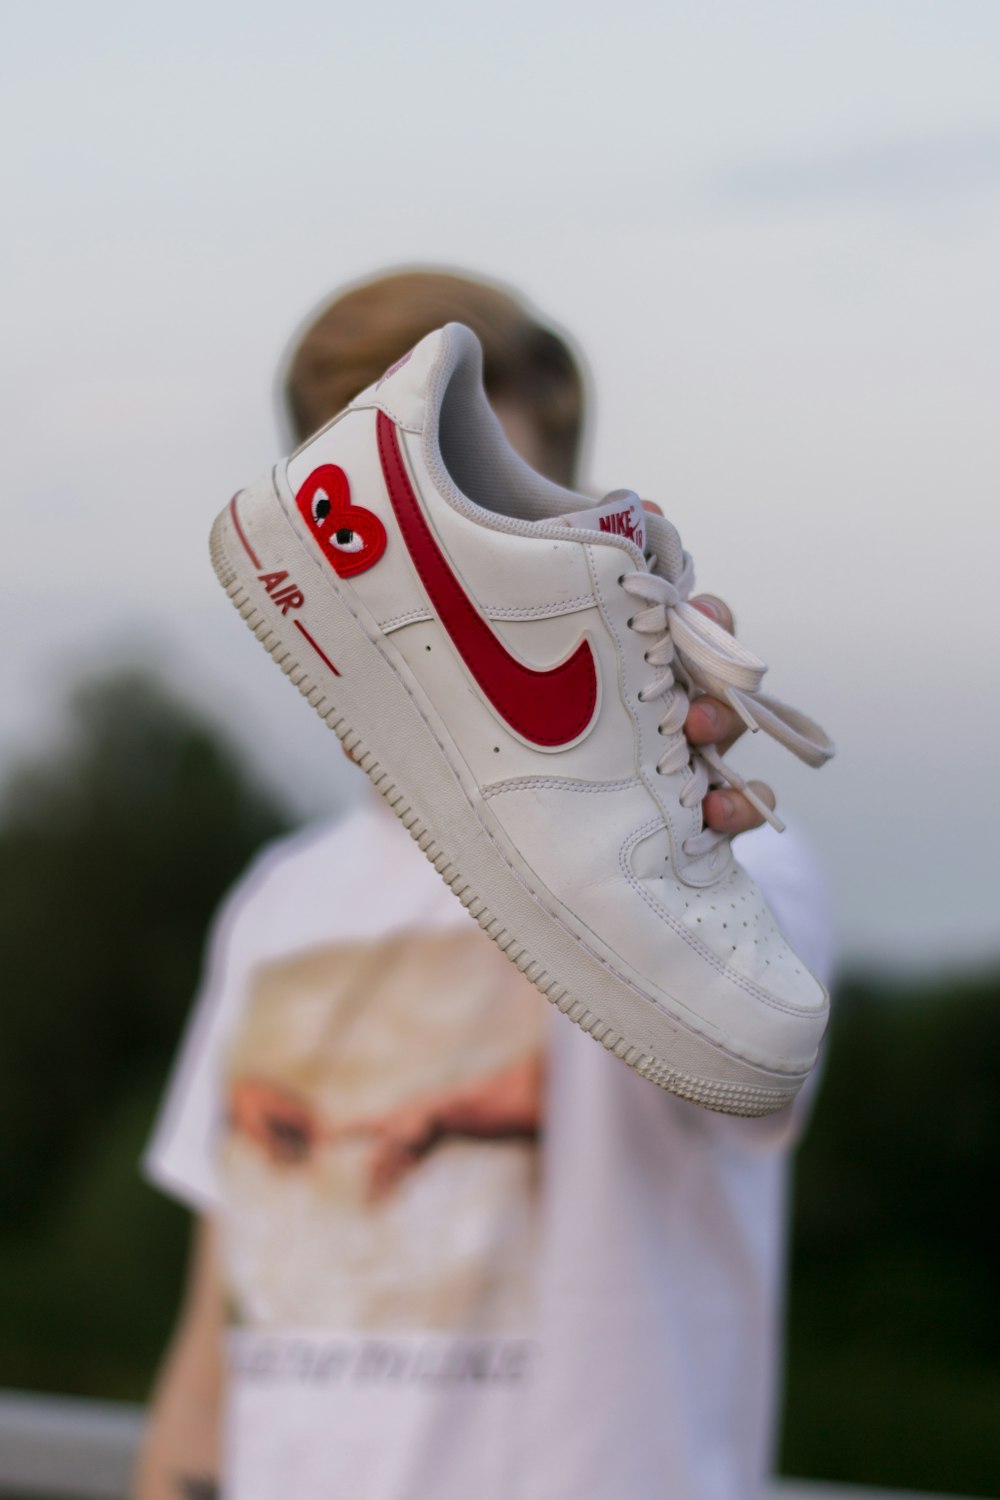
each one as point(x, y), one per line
point(65, 1448)
point(62, 1446)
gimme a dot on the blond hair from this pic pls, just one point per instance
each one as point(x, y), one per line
point(361, 332)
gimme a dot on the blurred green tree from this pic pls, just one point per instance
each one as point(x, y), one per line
point(894, 1348)
point(114, 851)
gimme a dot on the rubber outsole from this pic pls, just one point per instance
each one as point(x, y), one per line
point(720, 1095)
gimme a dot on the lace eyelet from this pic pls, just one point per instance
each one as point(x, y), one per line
point(629, 621)
point(621, 579)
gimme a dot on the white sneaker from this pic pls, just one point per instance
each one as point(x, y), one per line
point(511, 664)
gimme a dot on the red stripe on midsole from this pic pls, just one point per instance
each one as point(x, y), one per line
point(240, 532)
point(318, 650)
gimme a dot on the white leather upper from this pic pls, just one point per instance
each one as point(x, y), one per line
point(594, 820)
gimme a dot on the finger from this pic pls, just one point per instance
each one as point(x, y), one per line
point(389, 1166)
point(729, 812)
point(717, 610)
point(710, 722)
point(287, 1147)
point(351, 1129)
point(384, 1171)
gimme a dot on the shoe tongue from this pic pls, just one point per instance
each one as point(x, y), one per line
point(620, 514)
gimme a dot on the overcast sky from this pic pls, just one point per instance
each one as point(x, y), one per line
point(774, 228)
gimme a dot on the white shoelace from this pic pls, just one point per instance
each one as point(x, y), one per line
point(694, 655)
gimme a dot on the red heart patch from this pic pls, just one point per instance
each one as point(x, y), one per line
point(351, 537)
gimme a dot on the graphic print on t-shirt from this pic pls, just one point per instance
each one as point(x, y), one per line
point(379, 1156)
point(660, 1227)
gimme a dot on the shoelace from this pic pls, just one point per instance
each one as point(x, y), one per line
point(694, 655)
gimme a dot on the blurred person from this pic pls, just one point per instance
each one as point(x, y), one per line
point(446, 1246)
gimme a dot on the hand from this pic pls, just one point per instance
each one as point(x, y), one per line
point(282, 1125)
point(504, 1105)
point(712, 722)
point(400, 1139)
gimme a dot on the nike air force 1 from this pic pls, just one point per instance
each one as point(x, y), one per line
point(512, 664)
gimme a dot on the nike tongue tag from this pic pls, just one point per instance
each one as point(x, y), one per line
point(619, 513)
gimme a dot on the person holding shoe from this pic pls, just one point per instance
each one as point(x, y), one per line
point(445, 1245)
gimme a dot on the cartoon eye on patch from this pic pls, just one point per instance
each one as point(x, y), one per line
point(321, 506)
point(346, 540)
point(351, 538)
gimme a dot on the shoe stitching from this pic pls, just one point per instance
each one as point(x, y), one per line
point(540, 611)
point(501, 612)
point(557, 784)
point(382, 405)
point(414, 617)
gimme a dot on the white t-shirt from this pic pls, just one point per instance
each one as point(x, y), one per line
point(468, 1253)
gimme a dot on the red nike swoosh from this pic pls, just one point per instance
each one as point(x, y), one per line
point(549, 708)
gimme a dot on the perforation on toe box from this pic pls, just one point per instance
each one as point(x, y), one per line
point(732, 920)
